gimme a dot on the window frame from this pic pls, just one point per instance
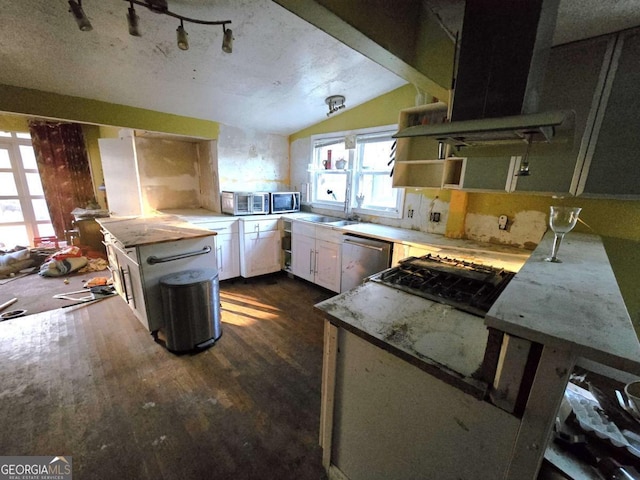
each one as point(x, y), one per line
point(24, 196)
point(349, 206)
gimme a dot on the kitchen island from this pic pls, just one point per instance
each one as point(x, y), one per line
point(143, 249)
point(386, 383)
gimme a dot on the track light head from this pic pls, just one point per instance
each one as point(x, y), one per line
point(227, 40)
point(78, 13)
point(132, 20)
point(182, 36)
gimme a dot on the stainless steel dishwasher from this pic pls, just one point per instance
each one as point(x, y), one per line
point(362, 257)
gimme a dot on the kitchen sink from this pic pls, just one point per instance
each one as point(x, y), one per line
point(322, 219)
point(329, 221)
point(342, 223)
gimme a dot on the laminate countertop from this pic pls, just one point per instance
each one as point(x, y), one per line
point(136, 231)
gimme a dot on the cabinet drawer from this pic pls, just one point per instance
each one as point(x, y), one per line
point(224, 227)
point(328, 234)
point(304, 228)
point(255, 226)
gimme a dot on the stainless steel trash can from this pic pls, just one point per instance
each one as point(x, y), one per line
point(191, 307)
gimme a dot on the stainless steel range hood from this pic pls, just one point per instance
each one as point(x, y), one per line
point(503, 56)
point(514, 129)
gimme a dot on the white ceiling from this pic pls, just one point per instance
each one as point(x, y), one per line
point(275, 81)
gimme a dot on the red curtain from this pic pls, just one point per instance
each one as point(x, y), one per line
point(63, 163)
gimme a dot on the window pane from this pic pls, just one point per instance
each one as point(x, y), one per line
point(40, 209)
point(11, 236)
point(375, 155)
point(331, 187)
point(8, 184)
point(5, 134)
point(377, 191)
point(28, 157)
point(10, 211)
point(335, 150)
point(45, 230)
point(23, 135)
point(34, 183)
point(5, 162)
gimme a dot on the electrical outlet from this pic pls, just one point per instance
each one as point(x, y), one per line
point(434, 217)
point(410, 213)
point(503, 221)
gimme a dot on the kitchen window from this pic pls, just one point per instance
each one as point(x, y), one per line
point(351, 172)
point(23, 210)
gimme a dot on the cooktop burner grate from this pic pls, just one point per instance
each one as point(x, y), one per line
point(464, 285)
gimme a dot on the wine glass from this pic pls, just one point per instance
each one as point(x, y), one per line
point(561, 220)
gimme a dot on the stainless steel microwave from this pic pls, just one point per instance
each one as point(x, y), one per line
point(245, 203)
point(284, 202)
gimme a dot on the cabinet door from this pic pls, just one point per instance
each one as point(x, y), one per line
point(262, 253)
point(327, 269)
point(121, 178)
point(611, 167)
point(228, 256)
point(303, 253)
point(573, 80)
point(133, 291)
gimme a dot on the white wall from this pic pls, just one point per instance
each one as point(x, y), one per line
point(250, 160)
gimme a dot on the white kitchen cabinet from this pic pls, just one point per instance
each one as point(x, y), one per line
point(316, 252)
point(259, 247)
point(137, 270)
point(131, 283)
point(121, 178)
point(227, 247)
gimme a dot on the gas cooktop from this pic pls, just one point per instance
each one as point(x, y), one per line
point(464, 285)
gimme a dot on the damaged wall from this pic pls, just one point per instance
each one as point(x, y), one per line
point(250, 160)
point(168, 173)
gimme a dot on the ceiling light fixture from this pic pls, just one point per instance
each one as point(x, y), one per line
point(156, 6)
point(335, 102)
point(78, 13)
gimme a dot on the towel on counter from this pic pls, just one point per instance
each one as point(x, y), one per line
point(56, 268)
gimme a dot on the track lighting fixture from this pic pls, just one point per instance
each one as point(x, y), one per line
point(335, 102)
point(227, 40)
point(78, 13)
point(183, 41)
point(156, 6)
point(132, 20)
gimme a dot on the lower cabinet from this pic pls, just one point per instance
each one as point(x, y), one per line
point(259, 247)
point(316, 254)
point(137, 271)
point(130, 280)
point(227, 246)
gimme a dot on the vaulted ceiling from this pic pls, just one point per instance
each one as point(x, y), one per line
point(276, 80)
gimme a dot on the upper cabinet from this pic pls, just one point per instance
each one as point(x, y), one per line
point(598, 80)
point(611, 161)
point(416, 158)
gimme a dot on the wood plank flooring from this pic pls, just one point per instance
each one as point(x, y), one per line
point(90, 382)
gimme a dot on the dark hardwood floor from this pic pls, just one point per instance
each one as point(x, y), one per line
point(90, 382)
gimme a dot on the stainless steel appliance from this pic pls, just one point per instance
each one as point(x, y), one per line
point(362, 257)
point(245, 203)
point(284, 202)
point(468, 286)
